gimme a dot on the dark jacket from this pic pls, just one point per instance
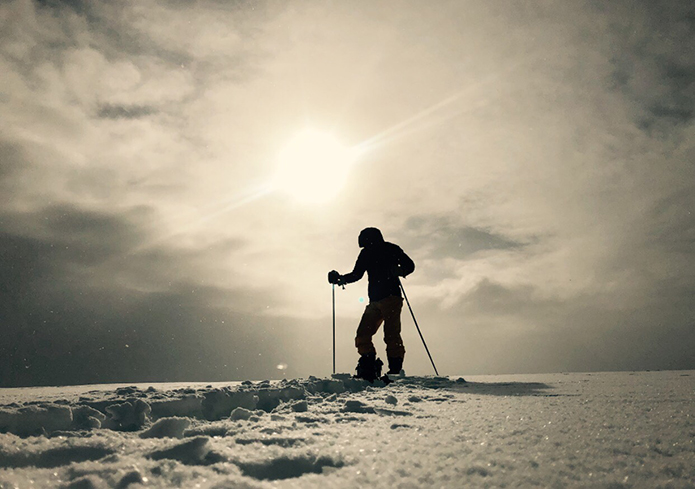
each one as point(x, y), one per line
point(383, 262)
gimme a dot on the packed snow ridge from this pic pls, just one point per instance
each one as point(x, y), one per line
point(598, 430)
point(169, 414)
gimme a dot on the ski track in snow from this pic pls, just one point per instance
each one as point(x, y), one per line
point(611, 430)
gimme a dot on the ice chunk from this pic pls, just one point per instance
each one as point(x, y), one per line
point(218, 403)
point(87, 482)
point(35, 420)
point(167, 428)
point(128, 416)
point(300, 406)
point(241, 413)
point(190, 406)
point(129, 391)
point(85, 417)
point(132, 477)
point(330, 386)
point(270, 398)
point(355, 406)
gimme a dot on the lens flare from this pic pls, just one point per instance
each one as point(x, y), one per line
point(313, 166)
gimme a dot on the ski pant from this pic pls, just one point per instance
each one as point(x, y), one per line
point(387, 311)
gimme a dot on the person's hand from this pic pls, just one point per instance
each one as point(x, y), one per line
point(335, 278)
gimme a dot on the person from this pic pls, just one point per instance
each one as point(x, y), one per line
point(384, 262)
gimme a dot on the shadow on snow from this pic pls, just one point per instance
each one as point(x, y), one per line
point(482, 388)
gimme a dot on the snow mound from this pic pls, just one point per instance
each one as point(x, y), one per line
point(241, 413)
point(575, 430)
point(168, 413)
point(167, 428)
point(36, 420)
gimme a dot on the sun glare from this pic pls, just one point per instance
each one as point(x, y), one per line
point(313, 166)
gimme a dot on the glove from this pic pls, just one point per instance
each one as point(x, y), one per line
point(335, 278)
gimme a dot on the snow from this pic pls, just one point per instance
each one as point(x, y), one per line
point(630, 429)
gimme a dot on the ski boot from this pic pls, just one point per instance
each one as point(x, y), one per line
point(395, 365)
point(369, 367)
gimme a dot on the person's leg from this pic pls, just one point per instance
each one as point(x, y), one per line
point(369, 325)
point(391, 310)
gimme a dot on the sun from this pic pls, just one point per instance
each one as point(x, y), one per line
point(313, 166)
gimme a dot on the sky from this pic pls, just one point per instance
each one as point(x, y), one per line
point(533, 158)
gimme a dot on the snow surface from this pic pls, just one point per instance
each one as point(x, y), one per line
point(607, 430)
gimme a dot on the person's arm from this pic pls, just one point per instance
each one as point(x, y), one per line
point(357, 272)
point(404, 265)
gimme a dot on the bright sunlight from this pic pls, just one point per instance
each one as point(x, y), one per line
point(313, 166)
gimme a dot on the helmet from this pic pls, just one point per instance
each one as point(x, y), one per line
point(370, 236)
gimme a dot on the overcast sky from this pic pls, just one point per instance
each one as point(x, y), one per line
point(535, 159)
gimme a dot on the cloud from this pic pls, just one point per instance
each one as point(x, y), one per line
point(78, 307)
point(441, 237)
point(12, 161)
point(504, 329)
point(599, 207)
point(537, 167)
point(109, 111)
point(653, 46)
point(91, 138)
point(83, 336)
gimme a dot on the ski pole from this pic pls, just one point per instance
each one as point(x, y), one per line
point(418, 327)
point(333, 290)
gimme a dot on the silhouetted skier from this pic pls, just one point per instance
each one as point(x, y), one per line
point(384, 262)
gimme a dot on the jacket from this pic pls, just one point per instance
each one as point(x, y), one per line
point(384, 262)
